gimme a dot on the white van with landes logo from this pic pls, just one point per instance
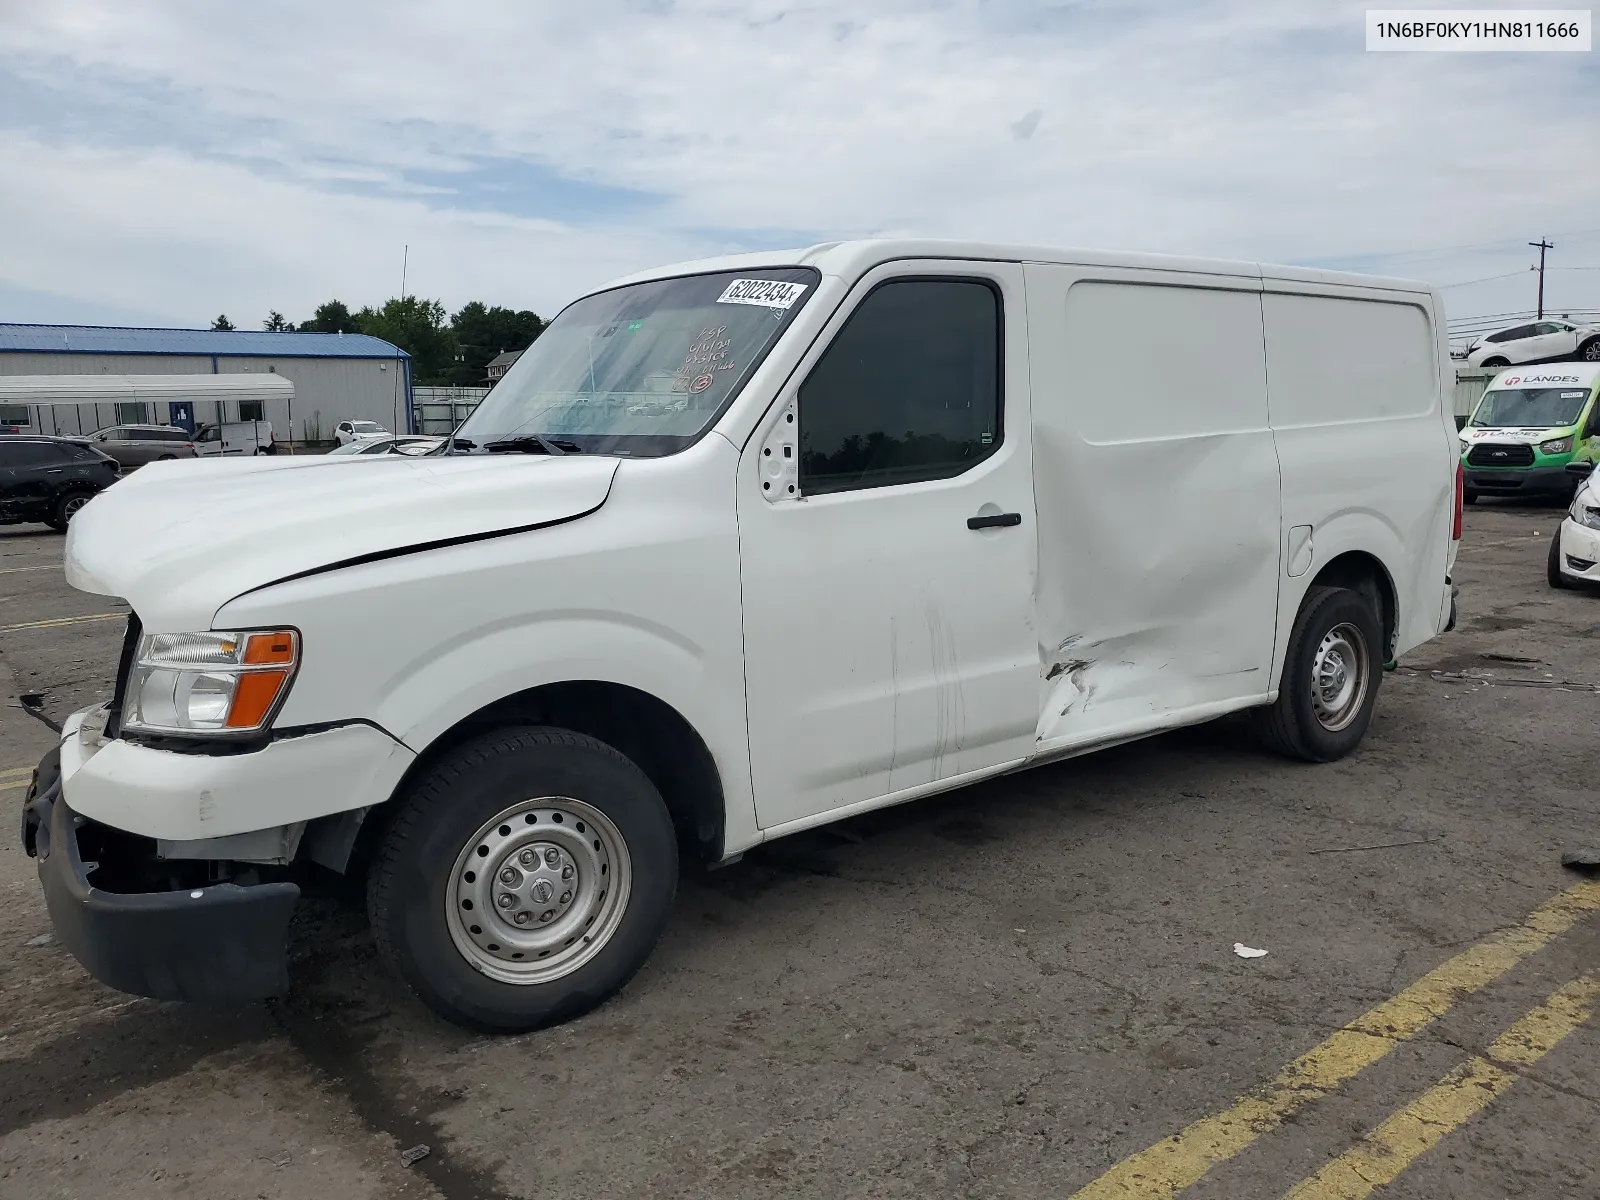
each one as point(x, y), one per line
point(735, 549)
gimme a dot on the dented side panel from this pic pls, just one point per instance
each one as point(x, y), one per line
point(1157, 486)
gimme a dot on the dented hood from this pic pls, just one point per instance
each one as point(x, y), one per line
point(178, 540)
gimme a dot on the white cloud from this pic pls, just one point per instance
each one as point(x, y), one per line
point(282, 153)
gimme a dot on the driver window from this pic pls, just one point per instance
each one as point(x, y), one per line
point(908, 391)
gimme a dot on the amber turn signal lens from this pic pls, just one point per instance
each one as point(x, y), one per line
point(254, 697)
point(267, 649)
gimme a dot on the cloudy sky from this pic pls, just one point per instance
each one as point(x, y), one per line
point(168, 160)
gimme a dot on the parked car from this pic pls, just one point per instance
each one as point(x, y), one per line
point(50, 479)
point(907, 515)
point(411, 445)
point(1574, 556)
point(135, 445)
point(1537, 342)
point(235, 438)
point(1530, 424)
point(355, 431)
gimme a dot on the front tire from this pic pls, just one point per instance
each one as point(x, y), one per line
point(1495, 364)
point(1552, 564)
point(1468, 496)
point(1330, 678)
point(1590, 350)
point(525, 878)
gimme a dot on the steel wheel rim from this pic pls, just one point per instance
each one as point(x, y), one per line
point(71, 507)
point(1339, 677)
point(565, 867)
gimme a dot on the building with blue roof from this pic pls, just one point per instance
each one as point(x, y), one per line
point(336, 376)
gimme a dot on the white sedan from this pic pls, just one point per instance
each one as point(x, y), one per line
point(1541, 341)
point(357, 431)
point(411, 445)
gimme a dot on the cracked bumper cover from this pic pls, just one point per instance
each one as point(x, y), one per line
point(218, 944)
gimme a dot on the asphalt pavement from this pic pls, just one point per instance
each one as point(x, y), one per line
point(1025, 988)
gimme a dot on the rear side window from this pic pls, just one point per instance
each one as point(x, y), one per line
point(171, 435)
point(14, 454)
point(908, 391)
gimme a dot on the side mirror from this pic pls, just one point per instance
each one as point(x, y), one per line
point(1581, 469)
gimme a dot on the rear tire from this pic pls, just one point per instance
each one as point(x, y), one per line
point(66, 508)
point(576, 839)
point(1552, 564)
point(1330, 678)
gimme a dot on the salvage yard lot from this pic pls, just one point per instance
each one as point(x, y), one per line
point(1011, 990)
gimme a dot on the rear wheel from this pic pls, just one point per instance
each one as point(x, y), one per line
point(167, 458)
point(1494, 364)
point(1552, 564)
point(67, 507)
point(1330, 678)
point(526, 877)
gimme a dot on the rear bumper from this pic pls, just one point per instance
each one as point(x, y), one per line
point(1521, 480)
point(218, 944)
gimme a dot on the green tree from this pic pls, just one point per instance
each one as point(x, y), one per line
point(332, 317)
point(276, 324)
point(483, 332)
point(418, 327)
point(222, 323)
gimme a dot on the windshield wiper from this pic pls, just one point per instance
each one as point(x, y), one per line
point(532, 443)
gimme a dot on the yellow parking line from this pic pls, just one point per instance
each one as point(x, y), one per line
point(13, 772)
point(6, 787)
point(1389, 1149)
point(20, 570)
point(1169, 1166)
point(54, 621)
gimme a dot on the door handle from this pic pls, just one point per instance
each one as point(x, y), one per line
point(53, 470)
point(994, 521)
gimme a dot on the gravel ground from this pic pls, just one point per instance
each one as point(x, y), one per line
point(1000, 992)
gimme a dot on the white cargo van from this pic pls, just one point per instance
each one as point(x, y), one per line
point(235, 439)
point(735, 549)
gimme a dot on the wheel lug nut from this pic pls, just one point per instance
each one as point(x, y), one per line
point(509, 875)
point(552, 856)
point(566, 872)
point(566, 897)
point(523, 918)
point(547, 914)
point(526, 858)
point(506, 900)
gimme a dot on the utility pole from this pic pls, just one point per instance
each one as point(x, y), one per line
point(405, 261)
point(1542, 246)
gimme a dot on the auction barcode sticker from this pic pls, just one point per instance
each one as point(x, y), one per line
point(1478, 29)
point(769, 293)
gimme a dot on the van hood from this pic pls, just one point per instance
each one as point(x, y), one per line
point(1506, 435)
point(178, 540)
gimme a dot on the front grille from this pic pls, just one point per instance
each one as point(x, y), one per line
point(130, 646)
point(1487, 454)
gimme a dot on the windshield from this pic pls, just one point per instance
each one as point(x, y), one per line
point(641, 370)
point(1543, 408)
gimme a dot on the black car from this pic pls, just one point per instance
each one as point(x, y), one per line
point(48, 479)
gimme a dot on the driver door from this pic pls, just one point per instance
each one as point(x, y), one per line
point(888, 548)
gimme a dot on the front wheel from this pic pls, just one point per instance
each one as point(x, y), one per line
point(1552, 564)
point(526, 876)
point(1590, 350)
point(1468, 496)
point(1330, 678)
point(1495, 364)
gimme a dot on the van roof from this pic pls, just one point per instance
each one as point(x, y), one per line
point(855, 257)
point(1561, 374)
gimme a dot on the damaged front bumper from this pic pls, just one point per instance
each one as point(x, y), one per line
point(216, 943)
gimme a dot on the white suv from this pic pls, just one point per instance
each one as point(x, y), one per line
point(1541, 341)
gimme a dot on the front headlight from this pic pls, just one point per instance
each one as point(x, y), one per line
point(1559, 446)
point(209, 683)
